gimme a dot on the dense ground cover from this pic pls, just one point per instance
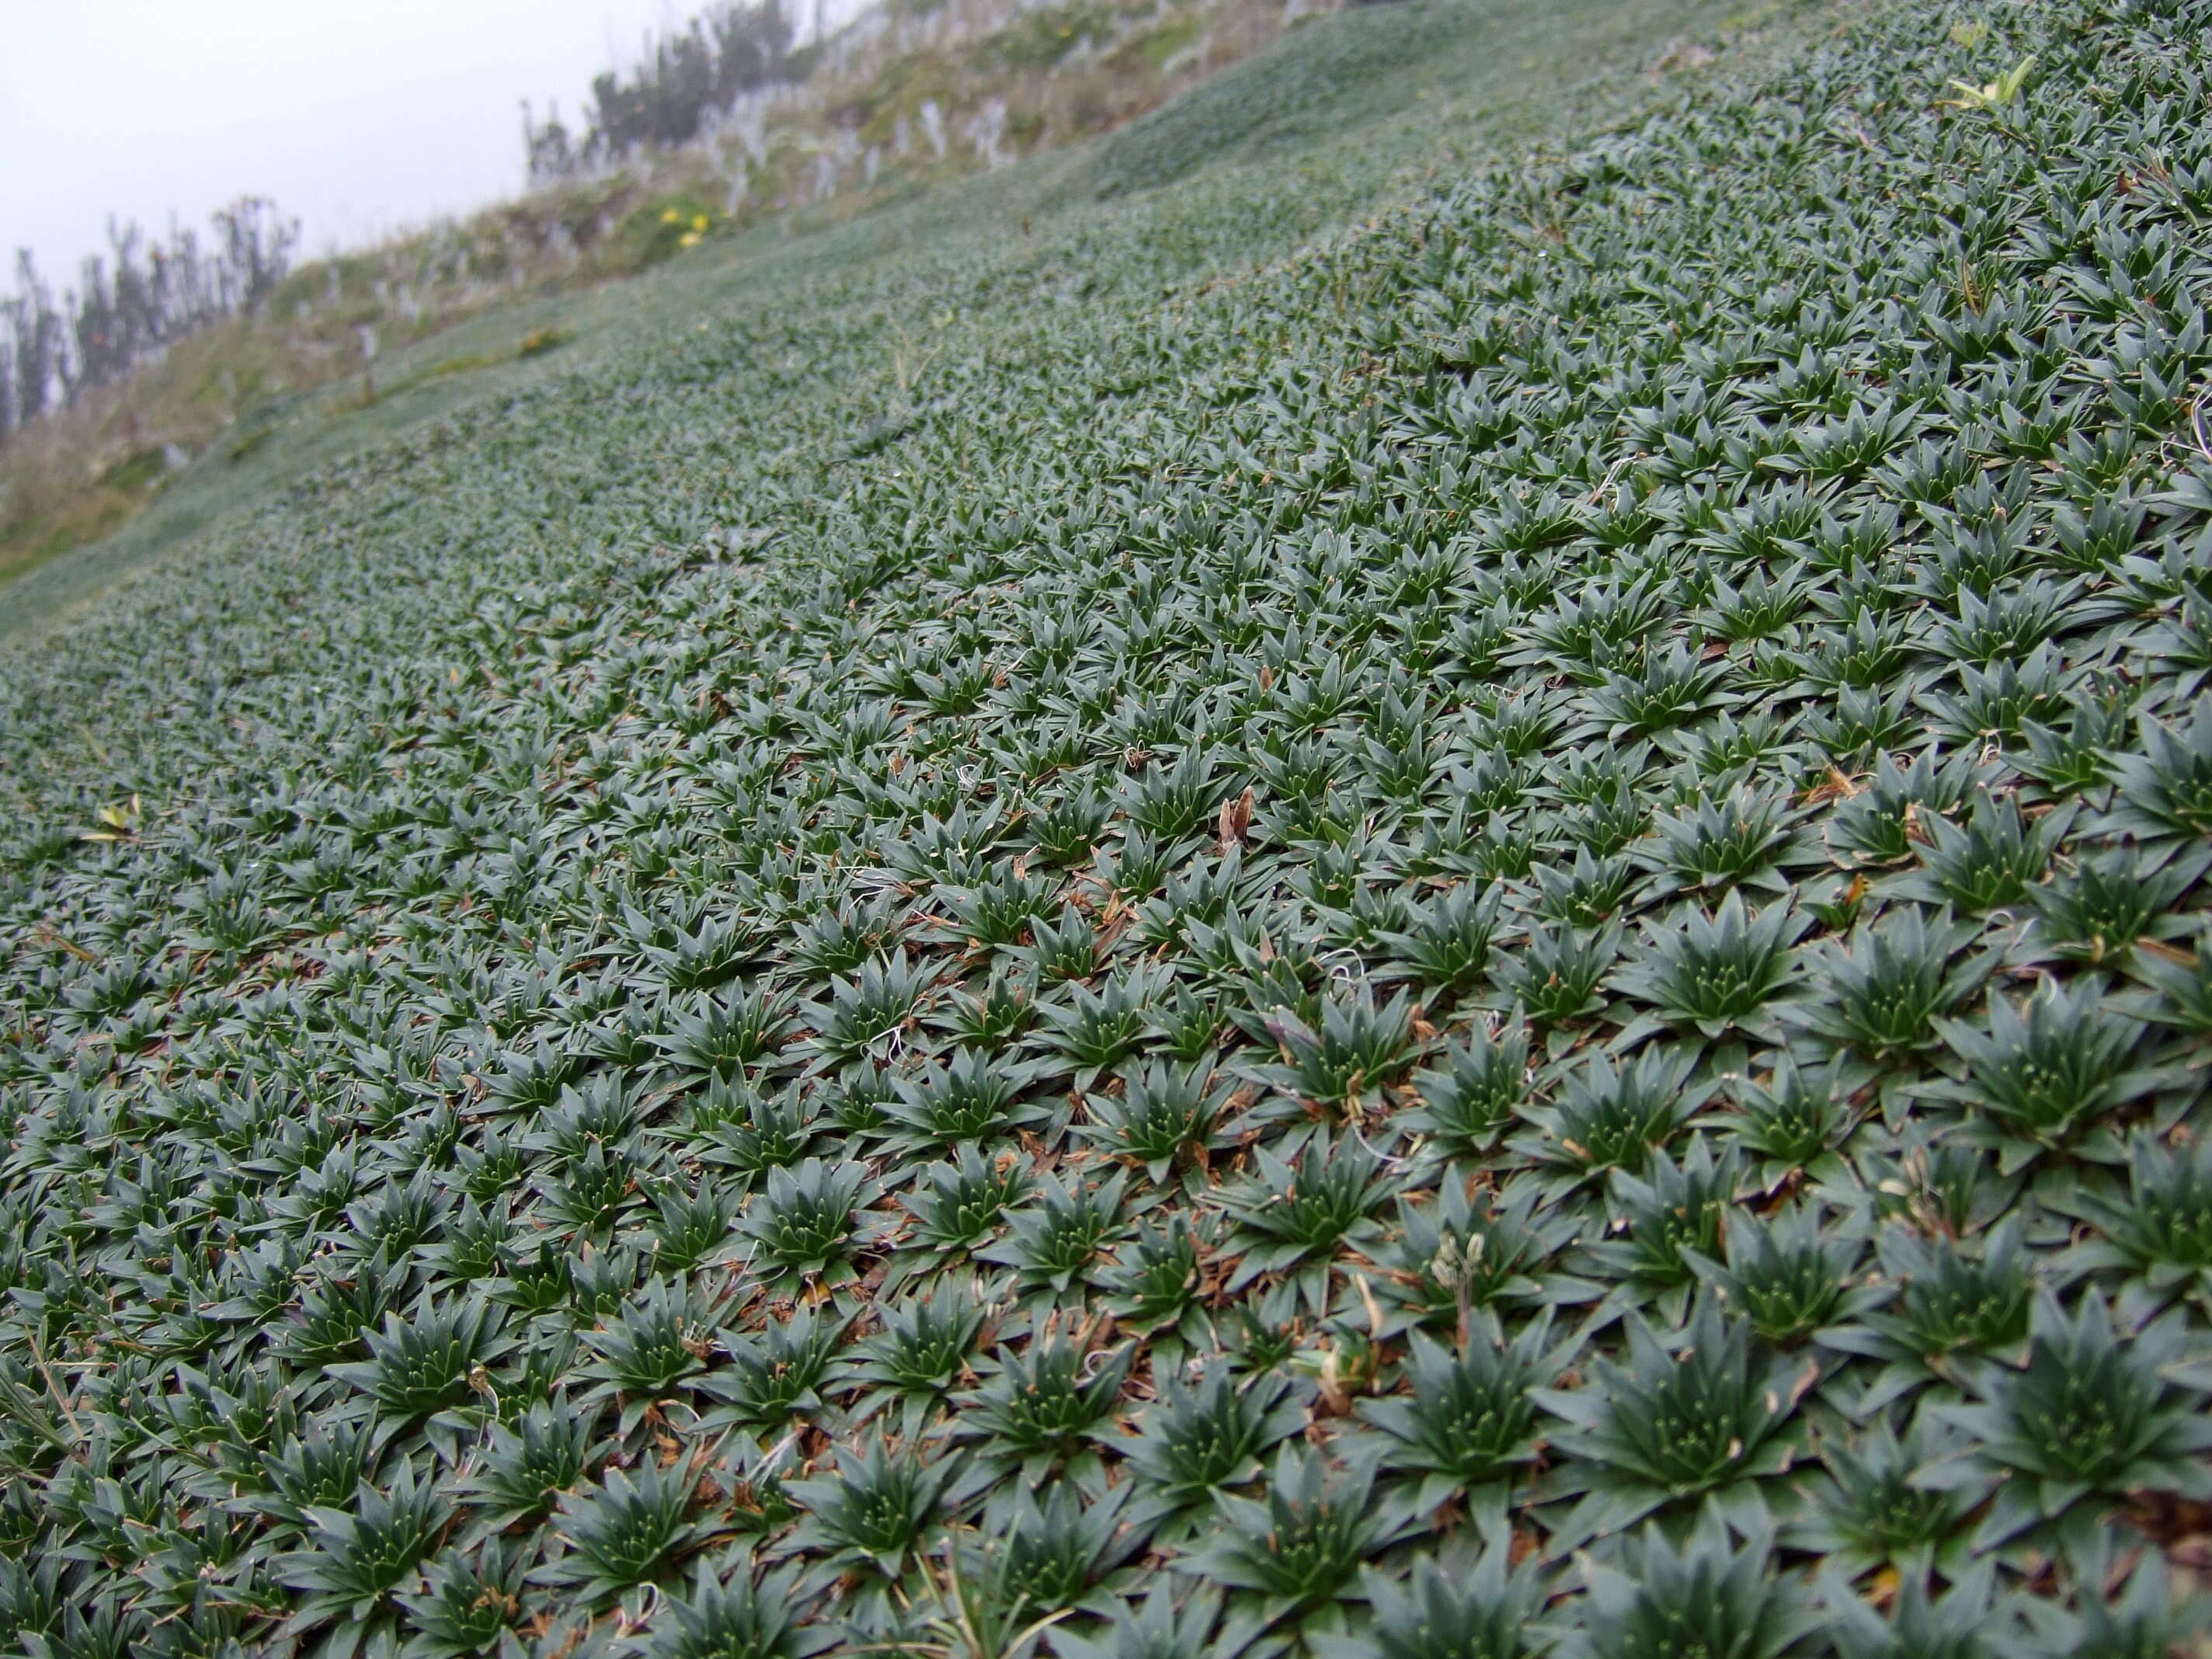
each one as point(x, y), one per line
point(1489, 940)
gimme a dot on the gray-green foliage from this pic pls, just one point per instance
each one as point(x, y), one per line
point(1522, 889)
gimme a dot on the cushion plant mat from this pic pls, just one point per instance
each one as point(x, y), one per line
point(1487, 942)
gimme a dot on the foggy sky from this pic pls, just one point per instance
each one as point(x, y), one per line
point(357, 118)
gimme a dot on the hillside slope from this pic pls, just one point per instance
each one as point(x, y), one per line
point(1481, 933)
point(1423, 85)
point(900, 109)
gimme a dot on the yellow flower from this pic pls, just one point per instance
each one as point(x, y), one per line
point(689, 239)
point(670, 215)
point(699, 222)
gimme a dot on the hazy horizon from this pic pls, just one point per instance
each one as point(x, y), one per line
point(355, 120)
